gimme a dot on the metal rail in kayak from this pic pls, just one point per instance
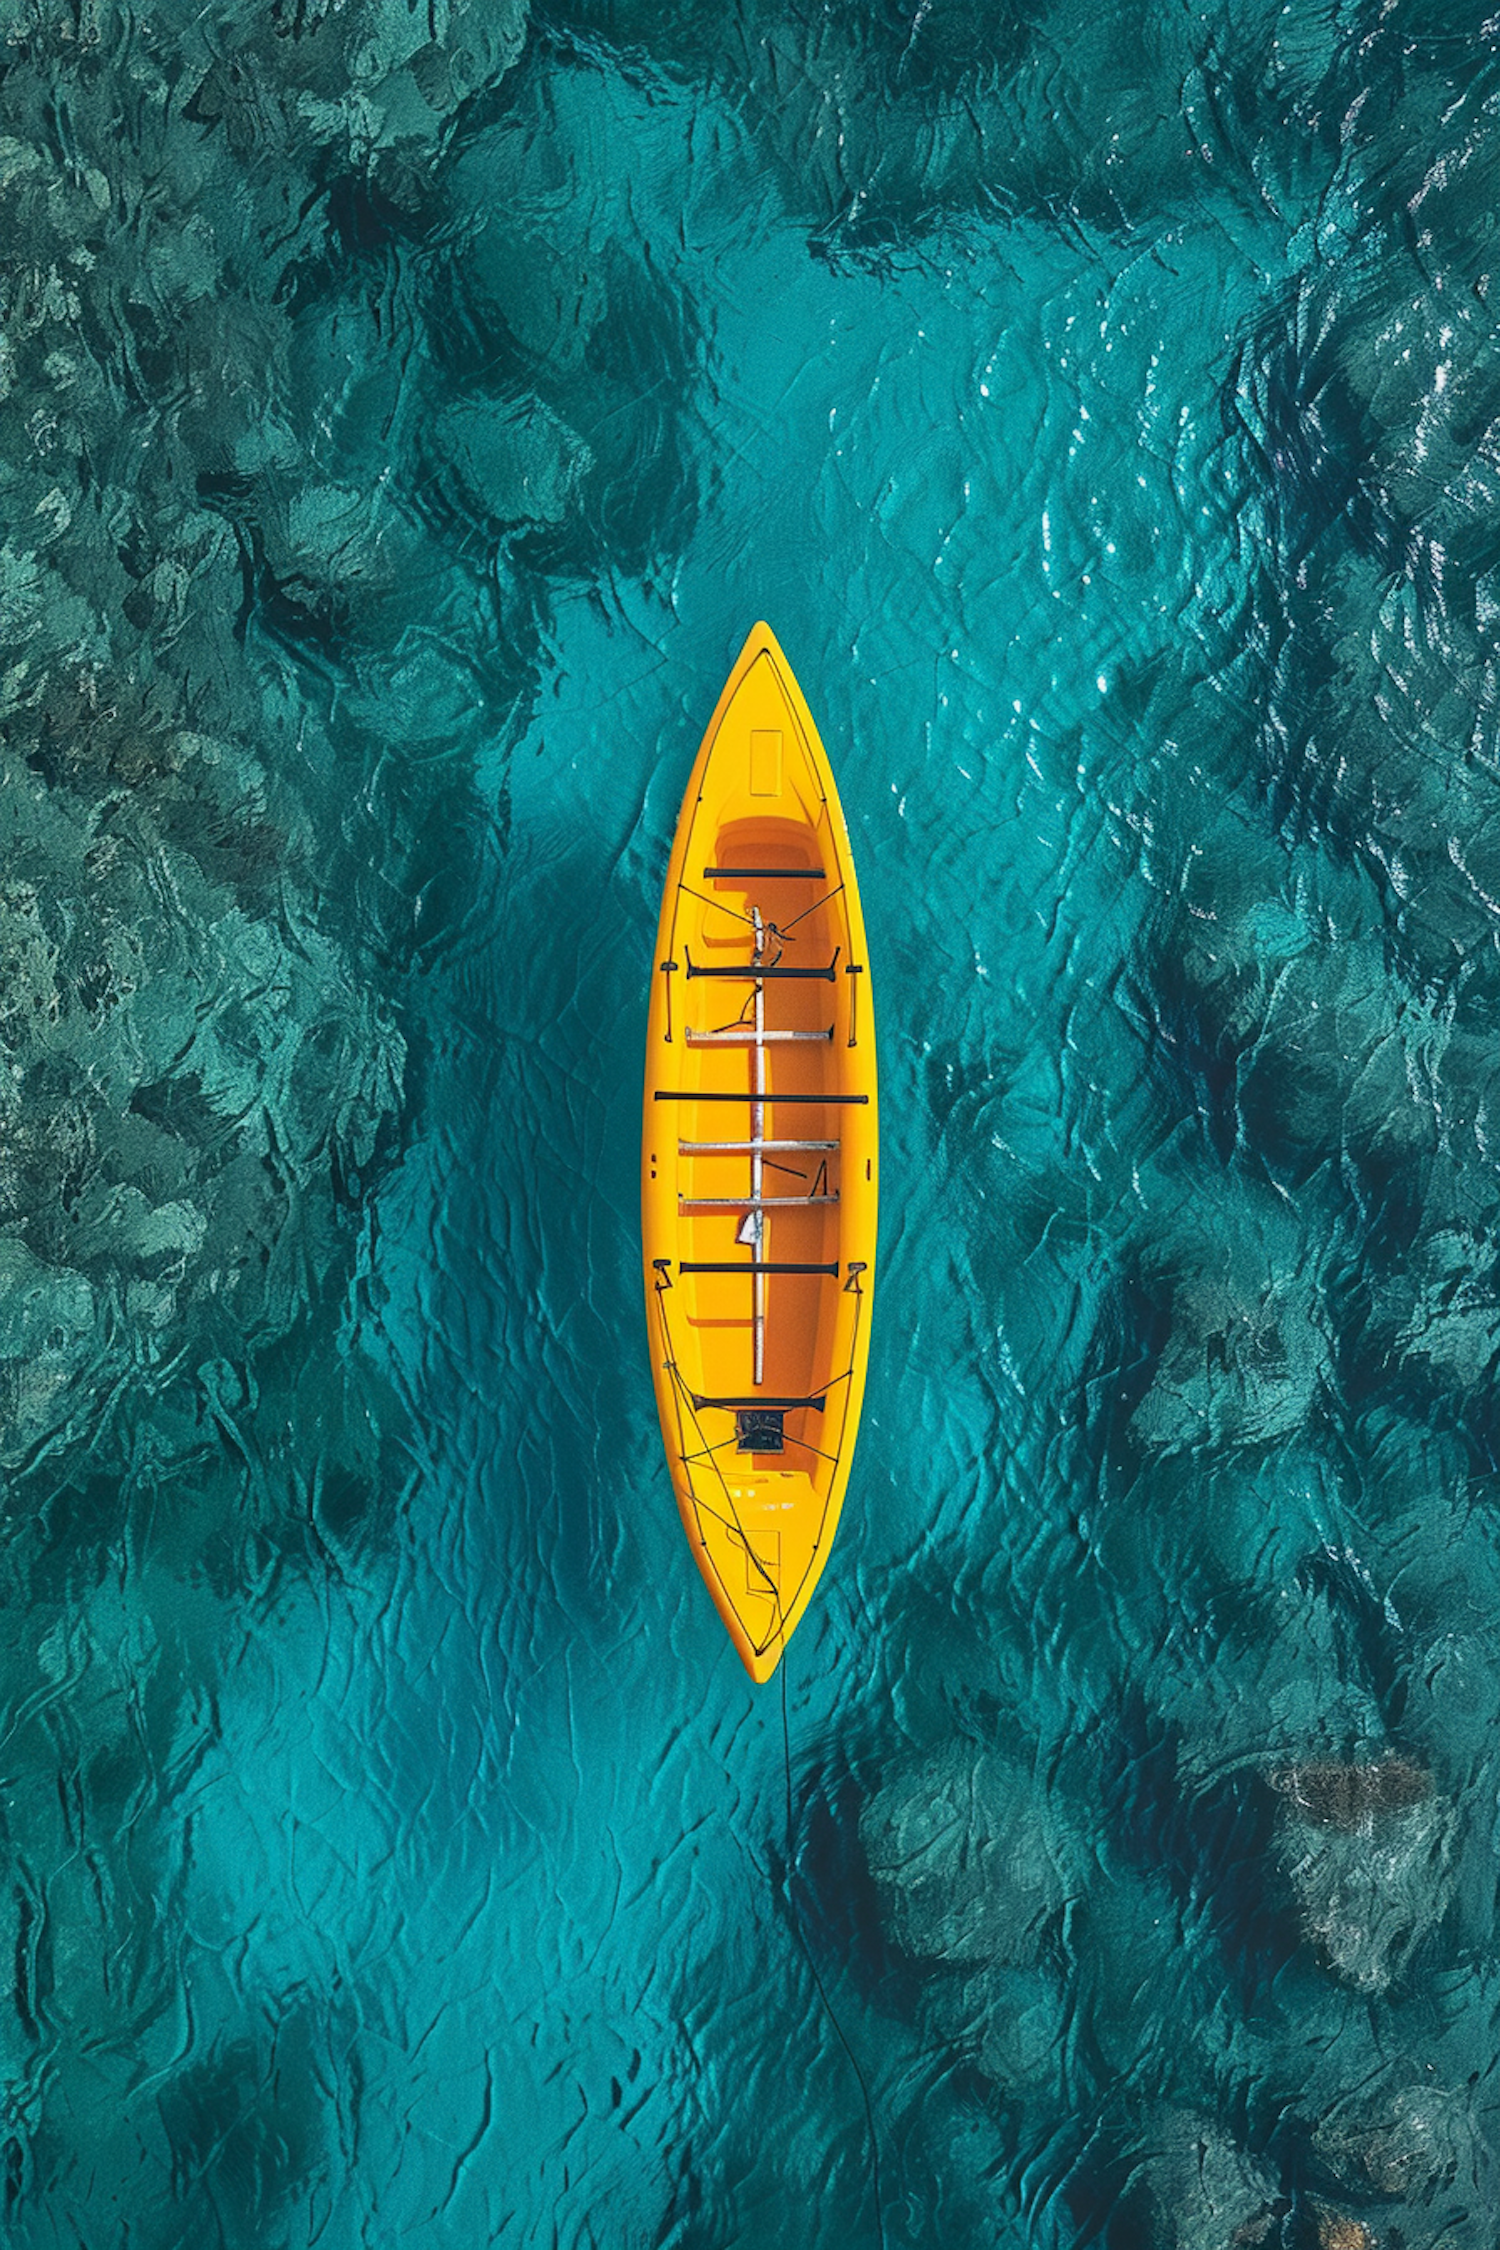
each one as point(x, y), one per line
point(745, 1035)
point(740, 1148)
point(804, 1101)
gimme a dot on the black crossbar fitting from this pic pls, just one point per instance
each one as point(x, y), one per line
point(806, 1101)
point(775, 1405)
point(767, 874)
point(769, 1265)
point(749, 973)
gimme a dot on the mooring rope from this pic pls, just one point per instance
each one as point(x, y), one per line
point(795, 1913)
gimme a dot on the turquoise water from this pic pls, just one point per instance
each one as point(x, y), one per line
point(405, 413)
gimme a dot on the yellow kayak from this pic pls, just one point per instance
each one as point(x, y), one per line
point(758, 1172)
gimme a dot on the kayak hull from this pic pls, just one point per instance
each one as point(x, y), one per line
point(759, 1157)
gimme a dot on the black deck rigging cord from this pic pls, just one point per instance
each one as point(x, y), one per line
point(795, 1913)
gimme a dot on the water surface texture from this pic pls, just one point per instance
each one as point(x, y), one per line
point(404, 413)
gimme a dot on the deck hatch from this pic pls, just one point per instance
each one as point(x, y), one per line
point(765, 762)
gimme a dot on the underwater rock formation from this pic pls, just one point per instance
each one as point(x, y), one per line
point(1368, 1850)
point(1336, 2230)
point(1246, 1350)
point(1351, 1797)
point(966, 1858)
point(1406, 2153)
point(892, 122)
point(1197, 2191)
point(970, 1872)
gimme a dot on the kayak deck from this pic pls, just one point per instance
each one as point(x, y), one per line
point(759, 1157)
